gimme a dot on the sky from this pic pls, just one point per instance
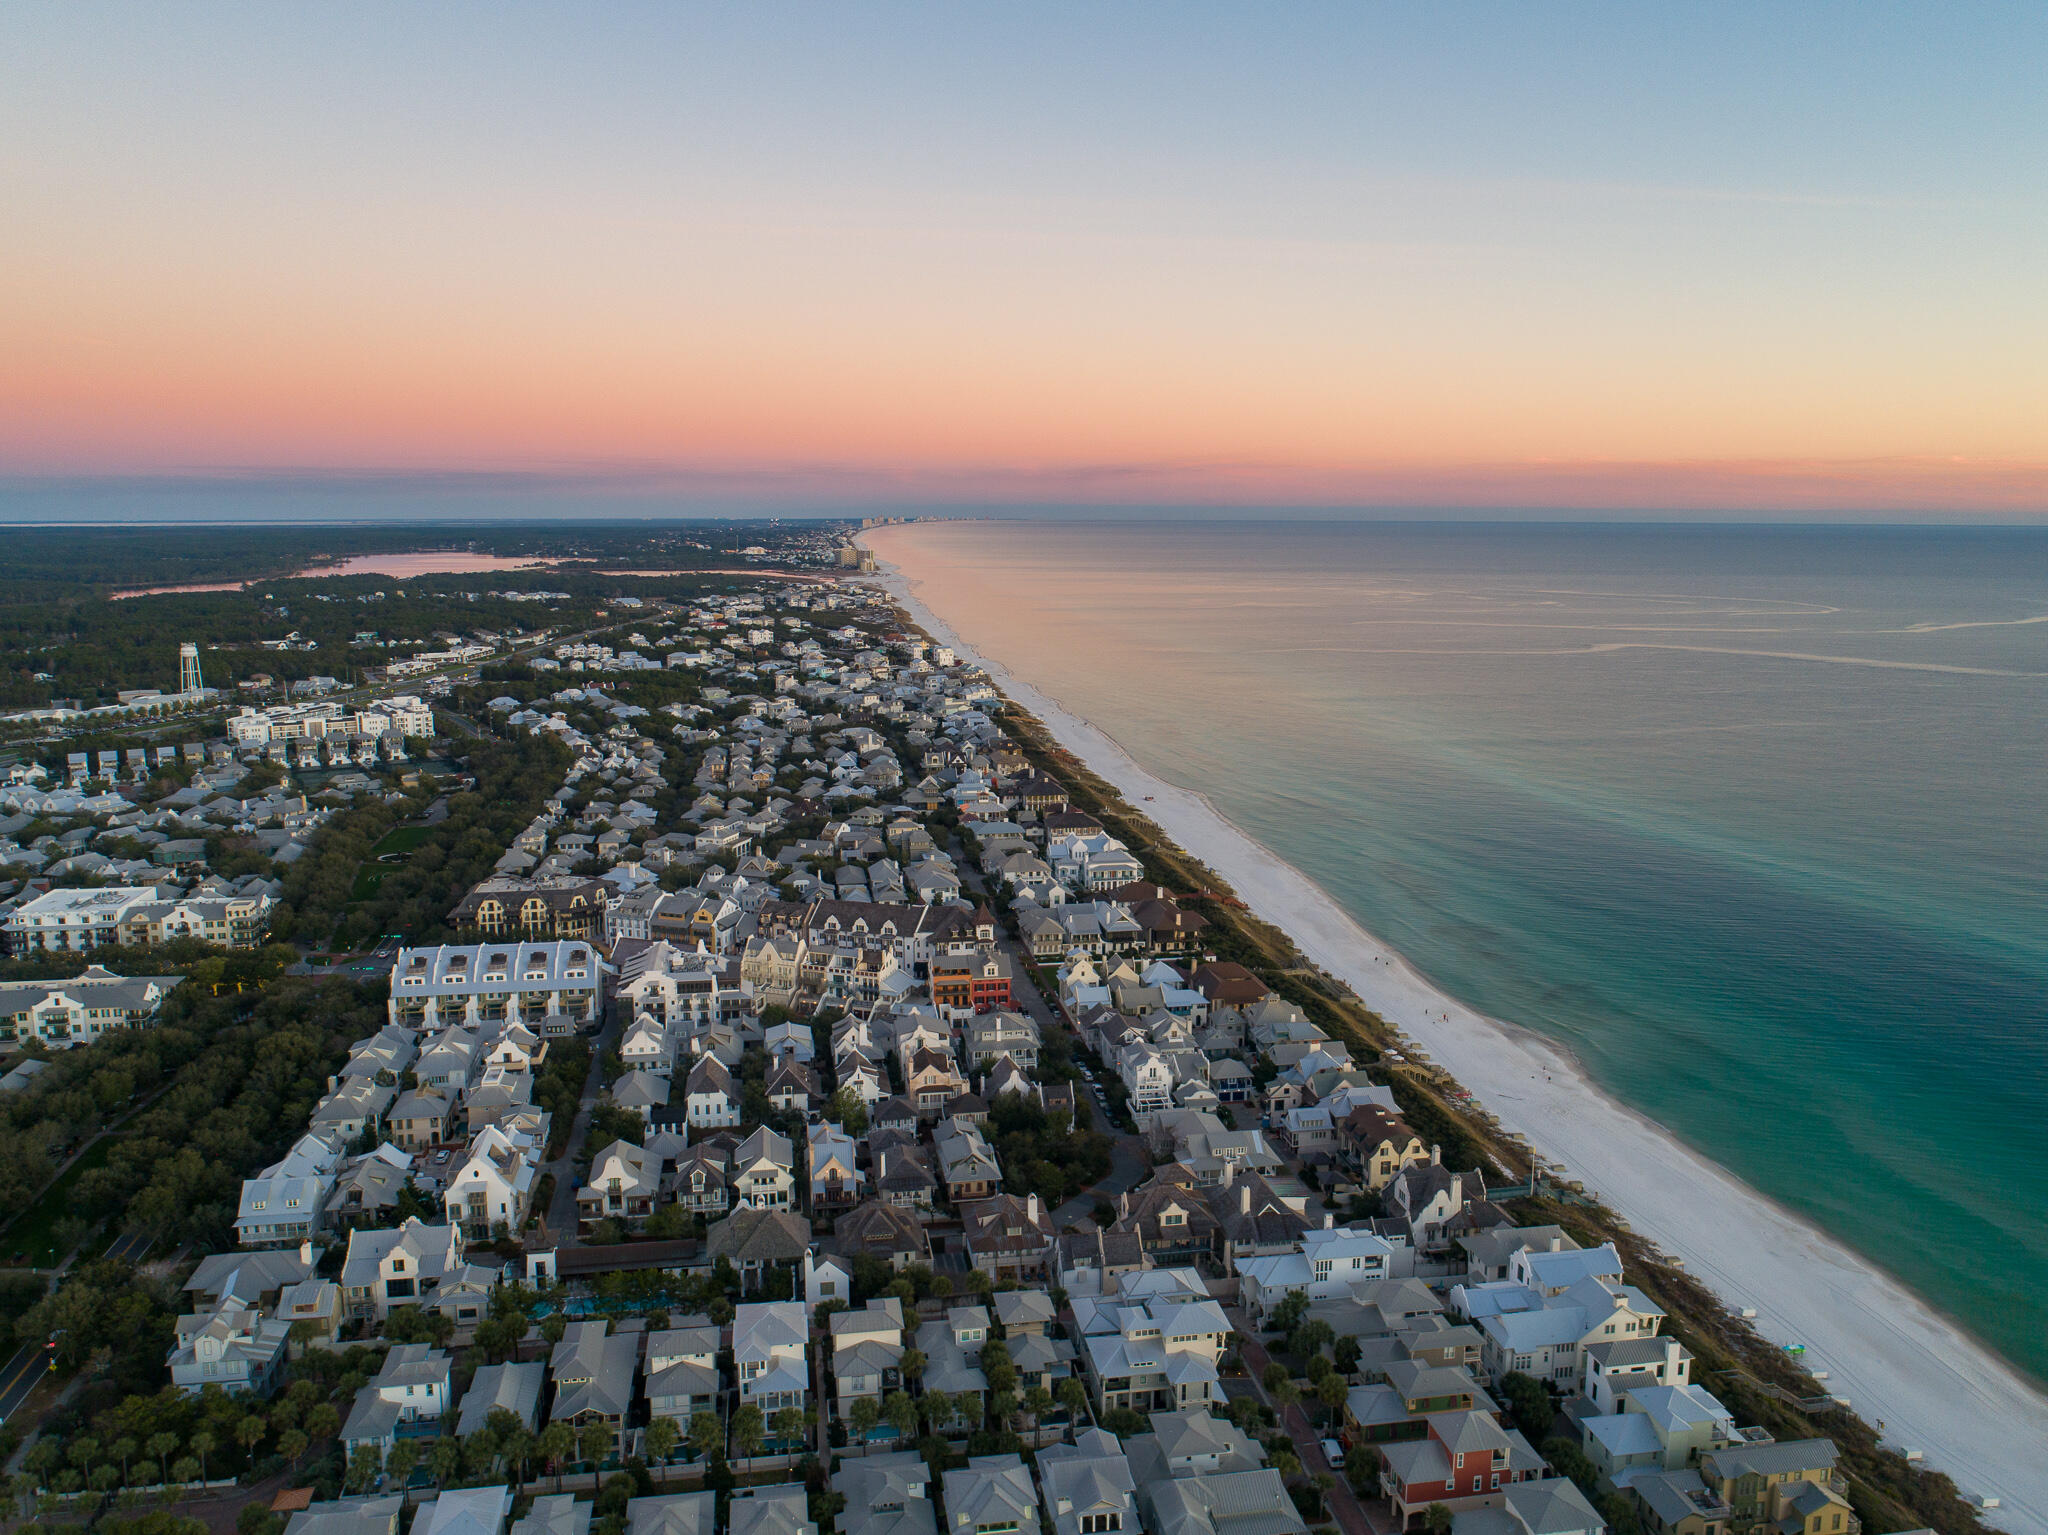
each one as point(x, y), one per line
point(1765, 259)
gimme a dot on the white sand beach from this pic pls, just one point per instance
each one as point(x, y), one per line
point(1931, 1386)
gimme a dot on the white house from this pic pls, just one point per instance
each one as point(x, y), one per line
point(770, 1355)
point(867, 1352)
point(398, 1267)
point(493, 1187)
point(764, 1172)
point(711, 1101)
point(415, 1384)
point(1328, 1264)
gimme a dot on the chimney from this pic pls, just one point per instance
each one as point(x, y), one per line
point(1557, 1242)
point(1436, 1156)
point(1031, 1205)
point(1229, 1174)
point(306, 1252)
point(1244, 1200)
point(1329, 1220)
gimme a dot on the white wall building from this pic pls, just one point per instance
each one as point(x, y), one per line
point(553, 987)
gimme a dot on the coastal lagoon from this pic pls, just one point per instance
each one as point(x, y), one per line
point(1748, 819)
point(399, 566)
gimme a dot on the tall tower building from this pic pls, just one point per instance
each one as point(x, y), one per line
point(188, 669)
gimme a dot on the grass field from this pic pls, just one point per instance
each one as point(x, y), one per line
point(399, 840)
point(33, 1232)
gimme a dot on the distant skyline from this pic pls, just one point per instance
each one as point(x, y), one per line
point(648, 260)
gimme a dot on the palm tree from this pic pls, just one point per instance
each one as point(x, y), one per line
point(1287, 1463)
point(516, 1444)
point(748, 1430)
point(46, 1455)
point(291, 1444)
point(1002, 1406)
point(122, 1450)
point(1037, 1402)
point(867, 1412)
point(323, 1422)
point(447, 1460)
point(660, 1439)
point(789, 1425)
point(202, 1442)
point(912, 1366)
point(592, 1440)
point(1331, 1392)
point(400, 1462)
point(250, 1431)
point(901, 1413)
point(185, 1469)
point(158, 1447)
point(105, 1477)
point(363, 1467)
point(1074, 1397)
point(707, 1434)
point(1322, 1481)
point(557, 1444)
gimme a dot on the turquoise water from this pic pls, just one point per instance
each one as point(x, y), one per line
point(1753, 819)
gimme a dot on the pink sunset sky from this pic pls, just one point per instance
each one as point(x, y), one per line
point(1684, 260)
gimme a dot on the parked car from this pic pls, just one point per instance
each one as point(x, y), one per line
point(1333, 1452)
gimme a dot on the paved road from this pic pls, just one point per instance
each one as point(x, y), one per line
point(1128, 1167)
point(19, 1377)
point(1130, 1164)
point(561, 1212)
point(1351, 1515)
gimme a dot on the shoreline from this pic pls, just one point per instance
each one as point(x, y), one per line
point(1931, 1386)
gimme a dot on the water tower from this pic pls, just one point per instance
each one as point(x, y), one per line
point(188, 669)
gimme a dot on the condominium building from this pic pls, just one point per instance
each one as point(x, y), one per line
point(552, 988)
point(78, 1011)
point(78, 919)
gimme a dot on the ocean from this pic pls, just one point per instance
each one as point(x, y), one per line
point(1754, 820)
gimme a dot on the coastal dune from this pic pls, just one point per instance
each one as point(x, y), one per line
point(1901, 1365)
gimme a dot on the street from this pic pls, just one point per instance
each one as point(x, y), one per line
point(1350, 1514)
point(19, 1377)
point(561, 1214)
point(1130, 1164)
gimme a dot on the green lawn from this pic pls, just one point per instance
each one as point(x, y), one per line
point(33, 1232)
point(400, 839)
